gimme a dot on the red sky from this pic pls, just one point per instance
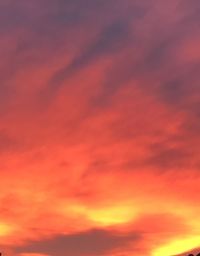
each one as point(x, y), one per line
point(99, 127)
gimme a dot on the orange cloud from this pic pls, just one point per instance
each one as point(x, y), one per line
point(99, 127)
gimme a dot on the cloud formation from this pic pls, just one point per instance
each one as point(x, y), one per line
point(99, 127)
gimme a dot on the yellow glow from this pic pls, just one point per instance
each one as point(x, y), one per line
point(106, 216)
point(177, 247)
point(111, 216)
point(5, 229)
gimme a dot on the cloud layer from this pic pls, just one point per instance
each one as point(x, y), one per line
point(99, 127)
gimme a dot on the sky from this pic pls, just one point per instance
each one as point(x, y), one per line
point(99, 127)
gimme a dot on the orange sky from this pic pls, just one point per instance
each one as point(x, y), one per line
point(99, 127)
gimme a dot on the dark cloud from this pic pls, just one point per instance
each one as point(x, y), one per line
point(93, 242)
point(111, 39)
point(103, 242)
point(168, 157)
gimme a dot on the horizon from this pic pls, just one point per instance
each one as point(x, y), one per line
point(99, 127)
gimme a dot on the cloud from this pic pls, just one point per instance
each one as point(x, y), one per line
point(99, 126)
point(141, 236)
point(110, 40)
point(92, 242)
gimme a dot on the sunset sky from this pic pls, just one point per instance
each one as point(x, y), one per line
point(99, 127)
